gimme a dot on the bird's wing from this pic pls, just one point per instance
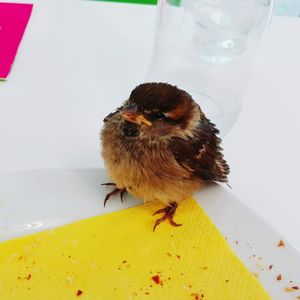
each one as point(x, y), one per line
point(201, 153)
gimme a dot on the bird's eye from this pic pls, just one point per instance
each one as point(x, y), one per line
point(158, 116)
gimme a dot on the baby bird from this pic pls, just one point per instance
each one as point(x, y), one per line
point(159, 146)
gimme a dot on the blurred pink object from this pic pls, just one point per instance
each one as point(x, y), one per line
point(13, 21)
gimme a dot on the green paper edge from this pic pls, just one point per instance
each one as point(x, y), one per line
point(151, 2)
point(148, 2)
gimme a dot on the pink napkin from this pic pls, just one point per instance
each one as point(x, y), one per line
point(13, 21)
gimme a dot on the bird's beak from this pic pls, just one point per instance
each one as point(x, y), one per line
point(129, 113)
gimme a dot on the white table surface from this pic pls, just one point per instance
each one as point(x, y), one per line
point(78, 60)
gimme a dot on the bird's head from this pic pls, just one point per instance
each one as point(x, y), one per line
point(159, 110)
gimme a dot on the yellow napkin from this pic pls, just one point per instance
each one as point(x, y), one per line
point(117, 256)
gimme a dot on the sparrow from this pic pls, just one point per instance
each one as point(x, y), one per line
point(159, 146)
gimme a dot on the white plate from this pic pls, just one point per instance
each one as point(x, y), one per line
point(31, 201)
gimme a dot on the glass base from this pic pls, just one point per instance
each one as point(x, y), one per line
point(221, 51)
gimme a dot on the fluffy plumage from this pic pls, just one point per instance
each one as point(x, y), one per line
point(159, 145)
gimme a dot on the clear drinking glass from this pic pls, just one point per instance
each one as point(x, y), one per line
point(206, 48)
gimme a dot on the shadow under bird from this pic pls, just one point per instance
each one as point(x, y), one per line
point(159, 146)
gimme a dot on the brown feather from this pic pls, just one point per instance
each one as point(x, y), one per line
point(170, 159)
point(202, 153)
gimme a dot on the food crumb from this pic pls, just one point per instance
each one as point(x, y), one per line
point(28, 277)
point(227, 280)
point(236, 242)
point(281, 244)
point(156, 279)
point(79, 293)
point(169, 254)
point(205, 268)
point(196, 296)
point(178, 256)
point(124, 261)
point(295, 287)
point(270, 267)
point(279, 277)
point(147, 293)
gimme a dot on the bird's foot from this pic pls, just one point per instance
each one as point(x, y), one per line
point(113, 192)
point(169, 213)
